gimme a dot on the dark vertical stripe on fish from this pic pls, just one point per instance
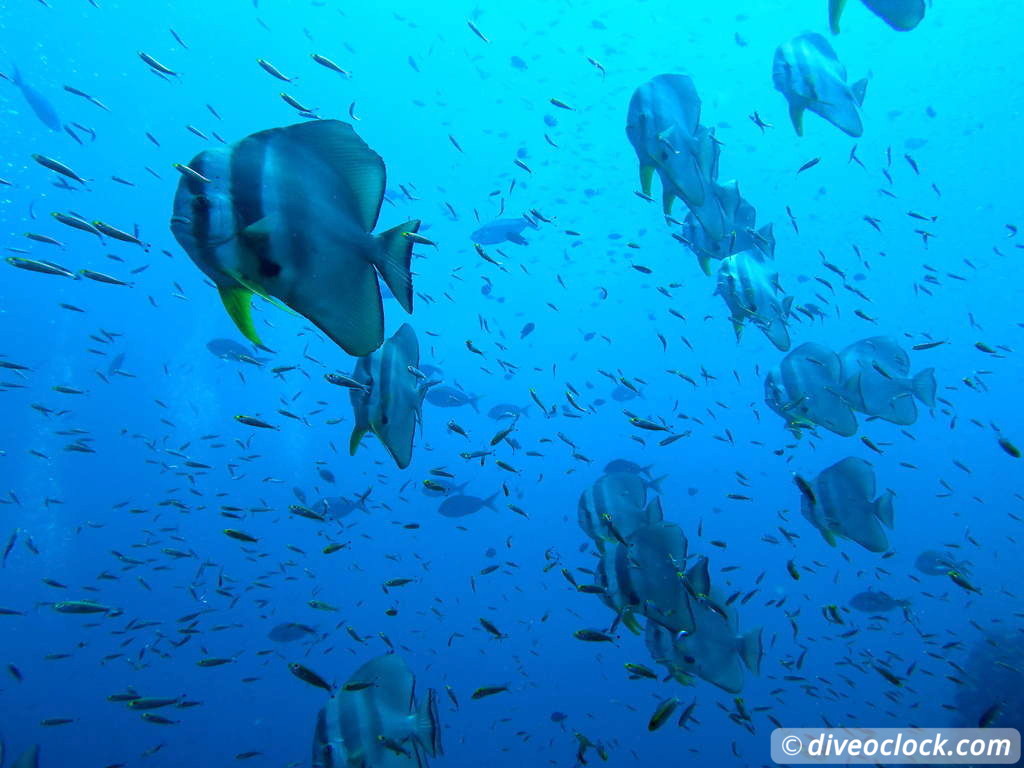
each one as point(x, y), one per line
point(248, 177)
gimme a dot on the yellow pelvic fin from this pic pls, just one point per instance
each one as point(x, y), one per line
point(254, 288)
point(237, 301)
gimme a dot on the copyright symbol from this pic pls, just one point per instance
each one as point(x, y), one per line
point(791, 745)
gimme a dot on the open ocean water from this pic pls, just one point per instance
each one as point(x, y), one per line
point(697, 428)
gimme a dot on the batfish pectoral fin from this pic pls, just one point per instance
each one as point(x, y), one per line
point(393, 259)
point(705, 263)
point(256, 236)
point(238, 303)
point(835, 11)
point(796, 114)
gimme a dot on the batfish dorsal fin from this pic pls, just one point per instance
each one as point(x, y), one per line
point(358, 170)
point(395, 684)
point(238, 303)
point(822, 46)
point(859, 89)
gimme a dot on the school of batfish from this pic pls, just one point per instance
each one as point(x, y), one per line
point(298, 226)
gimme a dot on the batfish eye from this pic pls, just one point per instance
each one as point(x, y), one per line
point(201, 203)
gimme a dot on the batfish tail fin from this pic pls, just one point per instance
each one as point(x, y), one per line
point(751, 650)
point(489, 501)
point(393, 260)
point(428, 727)
point(924, 386)
point(778, 334)
point(883, 509)
point(835, 11)
point(765, 240)
point(859, 90)
point(655, 484)
point(238, 303)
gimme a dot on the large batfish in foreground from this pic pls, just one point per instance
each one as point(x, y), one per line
point(901, 15)
point(844, 505)
point(809, 74)
point(287, 214)
point(374, 721)
point(752, 293)
point(663, 125)
point(389, 403)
